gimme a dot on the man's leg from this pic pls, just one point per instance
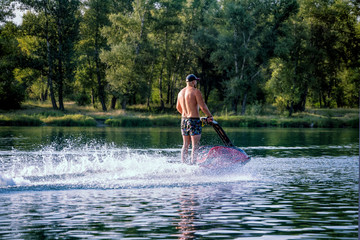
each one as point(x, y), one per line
point(185, 149)
point(195, 141)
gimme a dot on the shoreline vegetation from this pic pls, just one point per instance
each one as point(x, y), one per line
point(42, 115)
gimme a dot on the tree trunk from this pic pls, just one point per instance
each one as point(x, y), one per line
point(100, 86)
point(50, 63)
point(44, 95)
point(113, 102)
point(162, 105)
point(243, 105)
point(324, 100)
point(123, 104)
point(60, 66)
point(93, 97)
point(291, 108)
point(60, 82)
point(234, 104)
point(98, 73)
point(172, 97)
point(169, 88)
point(138, 46)
point(60, 88)
point(149, 85)
point(148, 103)
point(168, 93)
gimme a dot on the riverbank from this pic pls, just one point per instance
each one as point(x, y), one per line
point(43, 115)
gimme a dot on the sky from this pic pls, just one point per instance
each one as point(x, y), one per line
point(18, 19)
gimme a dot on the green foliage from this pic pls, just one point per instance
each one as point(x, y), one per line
point(256, 109)
point(152, 121)
point(82, 99)
point(40, 114)
point(129, 60)
point(32, 43)
point(332, 35)
point(19, 120)
point(48, 118)
point(49, 113)
point(90, 73)
point(129, 122)
point(6, 10)
point(70, 120)
point(12, 92)
point(294, 122)
point(245, 45)
point(165, 121)
point(312, 58)
point(57, 27)
point(299, 53)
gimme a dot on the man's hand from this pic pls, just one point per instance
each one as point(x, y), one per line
point(210, 119)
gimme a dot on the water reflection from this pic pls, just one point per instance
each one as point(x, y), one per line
point(187, 214)
point(227, 211)
point(258, 142)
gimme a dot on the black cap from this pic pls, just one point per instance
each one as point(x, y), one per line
point(191, 78)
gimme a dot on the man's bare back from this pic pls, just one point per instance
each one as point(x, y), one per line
point(189, 101)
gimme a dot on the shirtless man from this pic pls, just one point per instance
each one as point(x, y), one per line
point(188, 102)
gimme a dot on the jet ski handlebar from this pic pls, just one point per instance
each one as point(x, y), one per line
point(204, 121)
point(224, 138)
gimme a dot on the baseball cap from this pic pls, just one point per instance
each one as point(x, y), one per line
point(191, 77)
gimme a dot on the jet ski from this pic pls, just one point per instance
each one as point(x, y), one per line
point(219, 157)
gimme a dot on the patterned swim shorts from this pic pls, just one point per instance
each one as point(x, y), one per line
point(190, 126)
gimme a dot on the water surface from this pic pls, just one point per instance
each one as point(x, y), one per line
point(126, 183)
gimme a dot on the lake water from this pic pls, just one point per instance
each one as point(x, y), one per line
point(121, 183)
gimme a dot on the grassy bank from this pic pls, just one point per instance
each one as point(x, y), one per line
point(144, 121)
point(295, 122)
point(44, 115)
point(70, 120)
point(66, 120)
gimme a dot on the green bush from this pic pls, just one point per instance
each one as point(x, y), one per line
point(82, 99)
point(129, 122)
point(297, 122)
point(70, 120)
point(158, 121)
point(354, 123)
point(165, 121)
point(19, 120)
point(50, 113)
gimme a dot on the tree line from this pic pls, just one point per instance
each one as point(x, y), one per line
point(290, 53)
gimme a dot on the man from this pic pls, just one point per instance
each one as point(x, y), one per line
point(188, 102)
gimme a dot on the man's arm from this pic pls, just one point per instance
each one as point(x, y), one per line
point(178, 105)
point(202, 104)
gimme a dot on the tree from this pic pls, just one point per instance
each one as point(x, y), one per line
point(238, 47)
point(333, 35)
point(12, 92)
point(66, 17)
point(201, 20)
point(127, 61)
point(63, 16)
point(167, 29)
point(292, 67)
point(48, 32)
point(314, 59)
point(34, 69)
point(92, 43)
point(6, 10)
point(248, 33)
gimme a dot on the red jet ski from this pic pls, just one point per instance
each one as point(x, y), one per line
point(219, 157)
